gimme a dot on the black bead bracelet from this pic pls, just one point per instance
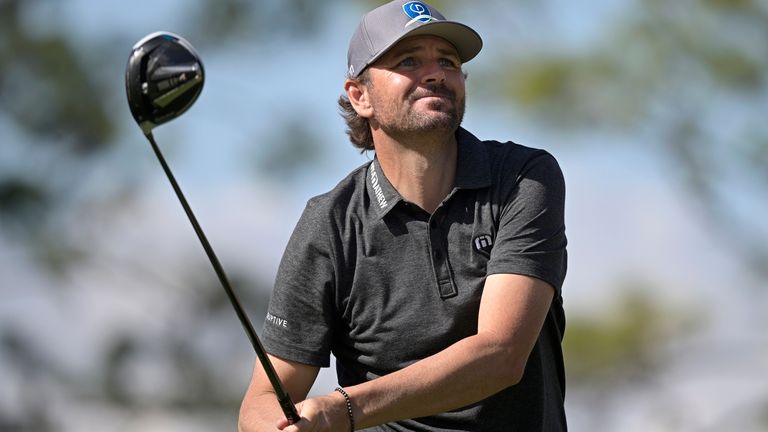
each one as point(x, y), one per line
point(349, 408)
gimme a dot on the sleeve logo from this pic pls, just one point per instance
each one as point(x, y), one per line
point(280, 322)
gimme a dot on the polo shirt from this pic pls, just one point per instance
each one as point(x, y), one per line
point(380, 283)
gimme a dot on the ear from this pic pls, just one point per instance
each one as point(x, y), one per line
point(358, 96)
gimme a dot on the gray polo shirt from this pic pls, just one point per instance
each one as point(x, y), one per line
point(380, 283)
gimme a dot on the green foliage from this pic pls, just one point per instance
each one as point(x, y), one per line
point(739, 5)
point(733, 69)
point(222, 20)
point(57, 105)
point(22, 203)
point(658, 53)
point(47, 89)
point(666, 71)
point(561, 90)
point(624, 343)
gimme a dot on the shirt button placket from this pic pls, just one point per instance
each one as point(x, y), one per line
point(443, 278)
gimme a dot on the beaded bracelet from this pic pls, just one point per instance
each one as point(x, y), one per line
point(349, 408)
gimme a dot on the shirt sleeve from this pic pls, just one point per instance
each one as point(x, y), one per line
point(531, 232)
point(298, 322)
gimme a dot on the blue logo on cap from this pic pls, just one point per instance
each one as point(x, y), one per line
point(417, 11)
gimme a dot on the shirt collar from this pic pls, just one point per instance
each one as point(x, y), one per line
point(472, 172)
point(383, 195)
point(473, 169)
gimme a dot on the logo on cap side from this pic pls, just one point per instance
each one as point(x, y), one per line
point(418, 12)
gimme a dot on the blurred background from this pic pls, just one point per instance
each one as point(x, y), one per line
point(111, 318)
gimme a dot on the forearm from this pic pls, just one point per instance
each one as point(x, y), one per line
point(464, 373)
point(512, 311)
point(259, 412)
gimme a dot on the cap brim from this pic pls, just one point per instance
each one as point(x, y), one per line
point(468, 42)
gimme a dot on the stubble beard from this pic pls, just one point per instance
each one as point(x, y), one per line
point(398, 118)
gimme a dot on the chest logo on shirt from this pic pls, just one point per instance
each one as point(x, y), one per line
point(483, 244)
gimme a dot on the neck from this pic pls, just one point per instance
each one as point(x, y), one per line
point(421, 168)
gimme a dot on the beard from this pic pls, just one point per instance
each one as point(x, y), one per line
point(397, 117)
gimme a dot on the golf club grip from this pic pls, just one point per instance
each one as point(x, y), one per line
point(283, 397)
point(289, 409)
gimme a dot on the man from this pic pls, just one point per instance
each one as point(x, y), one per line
point(433, 273)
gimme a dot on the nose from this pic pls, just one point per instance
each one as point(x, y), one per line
point(433, 73)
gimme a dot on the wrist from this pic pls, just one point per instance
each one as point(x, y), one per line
point(347, 407)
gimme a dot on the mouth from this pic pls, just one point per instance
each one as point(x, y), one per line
point(435, 96)
point(436, 102)
point(433, 93)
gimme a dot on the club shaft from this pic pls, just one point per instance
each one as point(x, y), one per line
point(282, 396)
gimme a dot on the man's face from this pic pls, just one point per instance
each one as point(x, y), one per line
point(417, 86)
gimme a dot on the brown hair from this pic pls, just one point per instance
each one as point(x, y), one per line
point(358, 128)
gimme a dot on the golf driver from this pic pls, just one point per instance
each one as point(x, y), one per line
point(163, 79)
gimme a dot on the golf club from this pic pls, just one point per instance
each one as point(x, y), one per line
point(163, 78)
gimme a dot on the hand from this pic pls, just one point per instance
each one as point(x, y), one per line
point(320, 414)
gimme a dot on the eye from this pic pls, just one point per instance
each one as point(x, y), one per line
point(407, 62)
point(448, 62)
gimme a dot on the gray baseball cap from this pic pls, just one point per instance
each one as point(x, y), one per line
point(383, 27)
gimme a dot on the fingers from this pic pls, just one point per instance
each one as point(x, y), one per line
point(320, 414)
point(284, 425)
point(302, 425)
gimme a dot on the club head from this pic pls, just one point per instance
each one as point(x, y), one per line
point(163, 78)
